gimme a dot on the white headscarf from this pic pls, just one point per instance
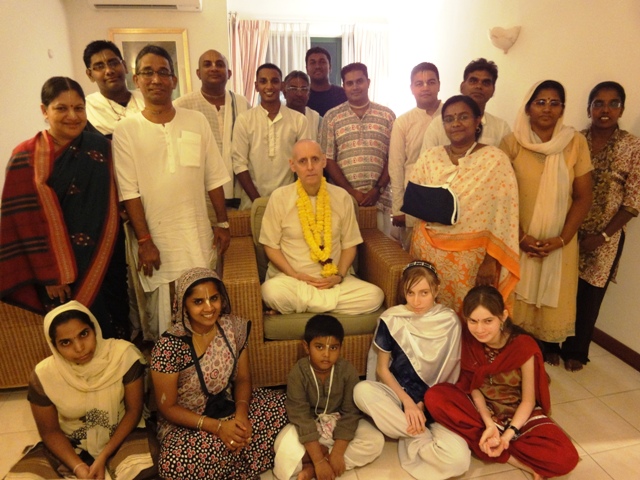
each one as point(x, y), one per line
point(88, 397)
point(540, 277)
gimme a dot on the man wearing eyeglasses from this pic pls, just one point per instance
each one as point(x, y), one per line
point(164, 157)
point(479, 82)
point(221, 107)
point(296, 94)
point(113, 101)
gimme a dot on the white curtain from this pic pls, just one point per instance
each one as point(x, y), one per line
point(247, 44)
point(288, 44)
point(369, 44)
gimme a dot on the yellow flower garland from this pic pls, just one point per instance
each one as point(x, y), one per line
point(314, 226)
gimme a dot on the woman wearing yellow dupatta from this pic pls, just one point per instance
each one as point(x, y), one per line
point(553, 168)
point(482, 247)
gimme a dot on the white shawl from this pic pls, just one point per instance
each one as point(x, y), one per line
point(430, 341)
point(540, 277)
point(90, 396)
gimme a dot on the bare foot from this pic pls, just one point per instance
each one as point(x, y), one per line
point(307, 472)
point(573, 365)
point(552, 358)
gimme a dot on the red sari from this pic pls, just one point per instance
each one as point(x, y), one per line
point(543, 445)
point(59, 222)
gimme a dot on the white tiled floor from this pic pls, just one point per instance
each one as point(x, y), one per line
point(599, 407)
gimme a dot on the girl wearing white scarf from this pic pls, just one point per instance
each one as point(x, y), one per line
point(552, 165)
point(89, 413)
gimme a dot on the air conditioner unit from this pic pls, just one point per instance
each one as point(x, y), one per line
point(176, 5)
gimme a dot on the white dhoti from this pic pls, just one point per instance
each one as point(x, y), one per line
point(437, 453)
point(353, 296)
point(364, 448)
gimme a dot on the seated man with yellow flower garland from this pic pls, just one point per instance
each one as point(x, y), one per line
point(299, 221)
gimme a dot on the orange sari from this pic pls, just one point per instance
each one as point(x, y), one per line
point(488, 222)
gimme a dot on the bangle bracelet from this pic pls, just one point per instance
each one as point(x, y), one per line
point(242, 401)
point(219, 426)
point(523, 237)
point(144, 238)
point(76, 467)
point(561, 239)
point(200, 422)
point(324, 459)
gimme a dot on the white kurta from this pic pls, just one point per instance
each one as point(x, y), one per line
point(407, 135)
point(104, 114)
point(169, 167)
point(494, 129)
point(221, 123)
point(263, 146)
point(281, 230)
point(314, 121)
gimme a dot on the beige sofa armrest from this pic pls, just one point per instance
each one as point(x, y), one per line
point(381, 261)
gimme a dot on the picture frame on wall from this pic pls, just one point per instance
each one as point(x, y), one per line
point(131, 40)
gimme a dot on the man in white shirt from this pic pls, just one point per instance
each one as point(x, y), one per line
point(407, 135)
point(165, 157)
point(297, 281)
point(296, 94)
point(113, 101)
point(263, 138)
point(480, 78)
point(221, 107)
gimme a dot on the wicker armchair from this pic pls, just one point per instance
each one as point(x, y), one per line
point(380, 261)
point(22, 345)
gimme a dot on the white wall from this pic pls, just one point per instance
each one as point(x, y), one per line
point(32, 52)
point(578, 42)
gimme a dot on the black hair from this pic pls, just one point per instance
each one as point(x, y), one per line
point(547, 85)
point(297, 74)
point(154, 50)
point(272, 66)
point(471, 103)
point(66, 316)
point(226, 303)
point(323, 326)
point(96, 47)
point(609, 85)
point(421, 67)
point(57, 85)
point(481, 64)
point(354, 67)
point(313, 50)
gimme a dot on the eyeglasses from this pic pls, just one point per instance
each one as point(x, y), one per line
point(602, 103)
point(461, 117)
point(111, 64)
point(543, 103)
point(298, 89)
point(149, 73)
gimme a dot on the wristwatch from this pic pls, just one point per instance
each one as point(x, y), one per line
point(516, 430)
point(607, 238)
point(222, 224)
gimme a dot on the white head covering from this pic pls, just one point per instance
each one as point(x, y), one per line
point(540, 277)
point(88, 397)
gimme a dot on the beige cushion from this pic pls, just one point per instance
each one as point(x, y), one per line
point(291, 327)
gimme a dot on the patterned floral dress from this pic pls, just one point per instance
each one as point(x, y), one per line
point(189, 453)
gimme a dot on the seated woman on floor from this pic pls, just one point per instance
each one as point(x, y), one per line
point(500, 404)
point(87, 402)
point(211, 425)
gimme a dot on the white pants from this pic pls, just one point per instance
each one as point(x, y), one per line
point(437, 453)
point(353, 296)
point(364, 448)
